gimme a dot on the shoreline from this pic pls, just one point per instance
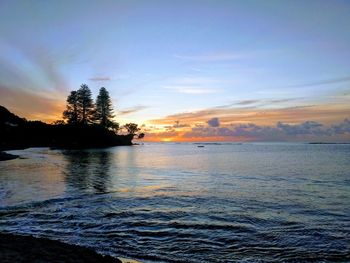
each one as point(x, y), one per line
point(17, 248)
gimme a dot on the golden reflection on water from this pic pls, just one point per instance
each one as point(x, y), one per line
point(258, 193)
point(33, 176)
point(161, 169)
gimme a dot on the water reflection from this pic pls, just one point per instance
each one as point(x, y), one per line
point(88, 171)
point(178, 203)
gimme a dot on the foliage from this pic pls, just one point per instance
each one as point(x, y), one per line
point(85, 104)
point(80, 107)
point(115, 127)
point(17, 133)
point(131, 128)
point(80, 110)
point(104, 110)
point(71, 114)
point(58, 122)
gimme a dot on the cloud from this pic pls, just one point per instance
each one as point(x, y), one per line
point(214, 122)
point(180, 125)
point(321, 82)
point(255, 103)
point(132, 110)
point(250, 131)
point(31, 67)
point(306, 128)
point(281, 100)
point(193, 85)
point(326, 113)
point(197, 81)
point(99, 79)
point(216, 56)
point(341, 128)
point(192, 89)
point(247, 102)
point(280, 131)
point(31, 80)
point(226, 55)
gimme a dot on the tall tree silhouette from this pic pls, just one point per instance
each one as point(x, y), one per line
point(71, 114)
point(104, 109)
point(85, 104)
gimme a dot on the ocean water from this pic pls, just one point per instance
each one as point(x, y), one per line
point(168, 202)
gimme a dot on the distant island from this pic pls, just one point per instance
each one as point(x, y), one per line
point(85, 124)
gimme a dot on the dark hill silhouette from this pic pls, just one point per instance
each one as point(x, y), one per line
point(8, 117)
point(18, 133)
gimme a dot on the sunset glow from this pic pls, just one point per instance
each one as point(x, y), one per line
point(261, 71)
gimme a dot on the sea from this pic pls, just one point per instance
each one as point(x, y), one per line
point(185, 202)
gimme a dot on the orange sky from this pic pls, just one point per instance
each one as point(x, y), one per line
point(194, 126)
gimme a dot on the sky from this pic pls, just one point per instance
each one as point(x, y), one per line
point(185, 70)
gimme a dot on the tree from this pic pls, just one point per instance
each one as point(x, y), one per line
point(71, 114)
point(132, 128)
point(85, 104)
point(115, 127)
point(58, 122)
point(104, 110)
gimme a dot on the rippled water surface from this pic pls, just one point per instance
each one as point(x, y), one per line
point(183, 203)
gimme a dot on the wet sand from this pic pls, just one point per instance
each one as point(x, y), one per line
point(15, 248)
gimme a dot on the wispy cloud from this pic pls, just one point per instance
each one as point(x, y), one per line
point(256, 103)
point(210, 57)
point(327, 113)
point(247, 102)
point(197, 81)
point(192, 89)
point(132, 110)
point(31, 82)
point(226, 55)
point(321, 82)
point(193, 85)
point(100, 79)
point(30, 67)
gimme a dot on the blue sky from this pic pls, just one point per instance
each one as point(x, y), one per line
point(161, 60)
